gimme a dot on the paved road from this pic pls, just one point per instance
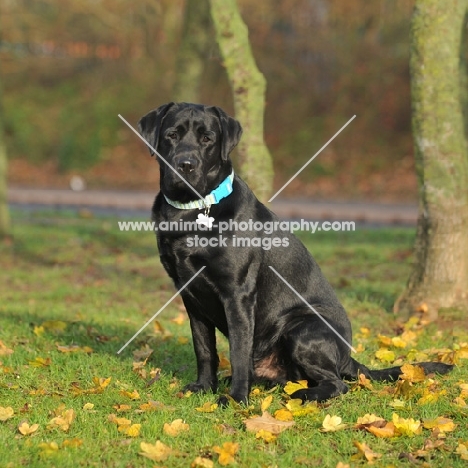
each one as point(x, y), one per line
point(127, 201)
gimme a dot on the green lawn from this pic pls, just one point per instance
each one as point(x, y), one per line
point(71, 284)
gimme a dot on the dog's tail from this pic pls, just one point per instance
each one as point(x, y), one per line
point(391, 374)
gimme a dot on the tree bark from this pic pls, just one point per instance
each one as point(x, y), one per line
point(439, 278)
point(193, 51)
point(5, 224)
point(248, 87)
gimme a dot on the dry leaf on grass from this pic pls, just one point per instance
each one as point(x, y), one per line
point(40, 362)
point(268, 423)
point(292, 387)
point(201, 462)
point(26, 429)
point(226, 453)
point(408, 427)
point(412, 373)
point(133, 430)
point(63, 420)
point(440, 423)
point(132, 395)
point(384, 431)
point(175, 427)
point(4, 350)
point(6, 413)
point(365, 451)
point(297, 408)
point(266, 402)
point(385, 355)
point(156, 452)
point(462, 450)
point(207, 407)
point(332, 424)
point(283, 415)
point(267, 436)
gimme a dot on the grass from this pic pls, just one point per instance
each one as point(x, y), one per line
point(70, 280)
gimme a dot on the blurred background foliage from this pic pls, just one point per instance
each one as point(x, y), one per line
point(69, 68)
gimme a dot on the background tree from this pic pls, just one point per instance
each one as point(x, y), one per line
point(440, 272)
point(4, 212)
point(248, 89)
point(193, 51)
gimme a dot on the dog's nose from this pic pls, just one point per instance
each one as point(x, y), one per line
point(186, 165)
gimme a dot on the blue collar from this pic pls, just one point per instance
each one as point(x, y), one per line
point(223, 190)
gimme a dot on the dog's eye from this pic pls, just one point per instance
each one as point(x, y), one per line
point(172, 135)
point(206, 139)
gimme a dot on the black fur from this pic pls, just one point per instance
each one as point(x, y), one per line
point(272, 334)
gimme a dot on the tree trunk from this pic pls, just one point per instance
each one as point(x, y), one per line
point(439, 278)
point(193, 51)
point(248, 87)
point(4, 212)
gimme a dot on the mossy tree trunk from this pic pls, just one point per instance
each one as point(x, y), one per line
point(439, 277)
point(248, 88)
point(193, 51)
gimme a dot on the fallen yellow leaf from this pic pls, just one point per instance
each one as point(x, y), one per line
point(409, 427)
point(386, 431)
point(40, 362)
point(292, 387)
point(385, 355)
point(412, 373)
point(132, 395)
point(462, 450)
point(156, 452)
point(366, 451)
point(72, 443)
point(298, 409)
point(207, 407)
point(180, 319)
point(132, 431)
point(268, 423)
point(26, 429)
point(4, 350)
point(399, 342)
point(267, 436)
point(88, 406)
point(384, 340)
point(201, 462)
point(6, 413)
point(54, 325)
point(368, 419)
point(226, 453)
point(283, 415)
point(441, 423)
point(266, 402)
point(63, 421)
point(48, 448)
point(175, 427)
point(332, 424)
point(119, 421)
point(74, 349)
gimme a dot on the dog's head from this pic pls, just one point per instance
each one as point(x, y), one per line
point(195, 140)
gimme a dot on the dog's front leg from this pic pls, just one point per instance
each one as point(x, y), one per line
point(204, 343)
point(240, 320)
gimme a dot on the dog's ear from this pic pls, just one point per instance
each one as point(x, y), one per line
point(149, 126)
point(231, 132)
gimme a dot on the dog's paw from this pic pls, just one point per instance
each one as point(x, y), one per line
point(196, 387)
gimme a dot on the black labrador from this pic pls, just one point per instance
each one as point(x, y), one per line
point(272, 333)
